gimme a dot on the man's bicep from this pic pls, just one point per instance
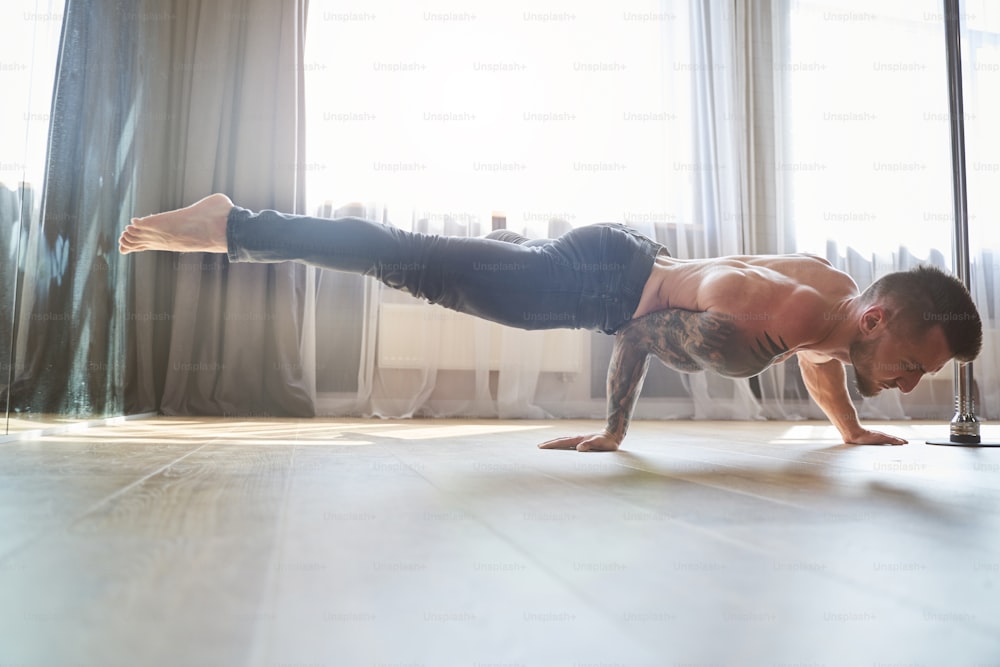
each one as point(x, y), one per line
point(822, 375)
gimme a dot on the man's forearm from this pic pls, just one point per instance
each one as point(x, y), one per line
point(626, 372)
point(827, 384)
point(684, 340)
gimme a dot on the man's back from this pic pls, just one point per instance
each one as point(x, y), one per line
point(772, 305)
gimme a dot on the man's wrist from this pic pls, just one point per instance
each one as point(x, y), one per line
point(852, 432)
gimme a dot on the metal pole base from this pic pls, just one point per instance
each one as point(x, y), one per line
point(964, 443)
point(964, 432)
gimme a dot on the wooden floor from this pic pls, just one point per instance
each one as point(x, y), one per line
point(436, 543)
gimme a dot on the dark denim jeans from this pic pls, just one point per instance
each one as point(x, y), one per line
point(589, 278)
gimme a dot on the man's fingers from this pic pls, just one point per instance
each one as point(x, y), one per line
point(563, 443)
point(886, 439)
point(583, 443)
point(878, 438)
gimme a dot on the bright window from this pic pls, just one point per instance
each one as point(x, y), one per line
point(29, 34)
point(869, 154)
point(536, 109)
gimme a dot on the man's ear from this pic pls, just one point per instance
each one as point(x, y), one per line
point(873, 320)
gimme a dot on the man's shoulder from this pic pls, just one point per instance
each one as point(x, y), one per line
point(819, 275)
point(810, 256)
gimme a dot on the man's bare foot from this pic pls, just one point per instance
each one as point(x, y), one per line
point(200, 227)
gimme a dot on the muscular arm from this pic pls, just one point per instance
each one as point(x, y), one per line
point(826, 381)
point(684, 340)
point(626, 372)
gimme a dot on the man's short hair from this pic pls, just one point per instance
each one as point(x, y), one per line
point(924, 297)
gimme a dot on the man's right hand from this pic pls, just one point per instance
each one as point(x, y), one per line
point(596, 442)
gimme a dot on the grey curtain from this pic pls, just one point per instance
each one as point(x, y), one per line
point(222, 111)
point(69, 327)
point(157, 104)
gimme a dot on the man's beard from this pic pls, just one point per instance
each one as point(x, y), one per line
point(862, 355)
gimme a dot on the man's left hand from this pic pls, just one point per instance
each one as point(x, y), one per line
point(867, 437)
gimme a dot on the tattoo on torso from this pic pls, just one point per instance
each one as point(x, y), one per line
point(690, 341)
point(767, 350)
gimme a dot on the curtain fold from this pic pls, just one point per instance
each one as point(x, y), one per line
point(734, 123)
point(222, 111)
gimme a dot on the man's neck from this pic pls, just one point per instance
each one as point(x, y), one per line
point(843, 331)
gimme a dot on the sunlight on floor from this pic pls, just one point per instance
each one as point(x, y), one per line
point(807, 433)
point(298, 432)
point(452, 430)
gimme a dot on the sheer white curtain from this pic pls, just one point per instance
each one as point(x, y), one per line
point(550, 115)
point(865, 168)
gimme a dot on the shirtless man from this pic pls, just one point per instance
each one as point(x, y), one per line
point(735, 316)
